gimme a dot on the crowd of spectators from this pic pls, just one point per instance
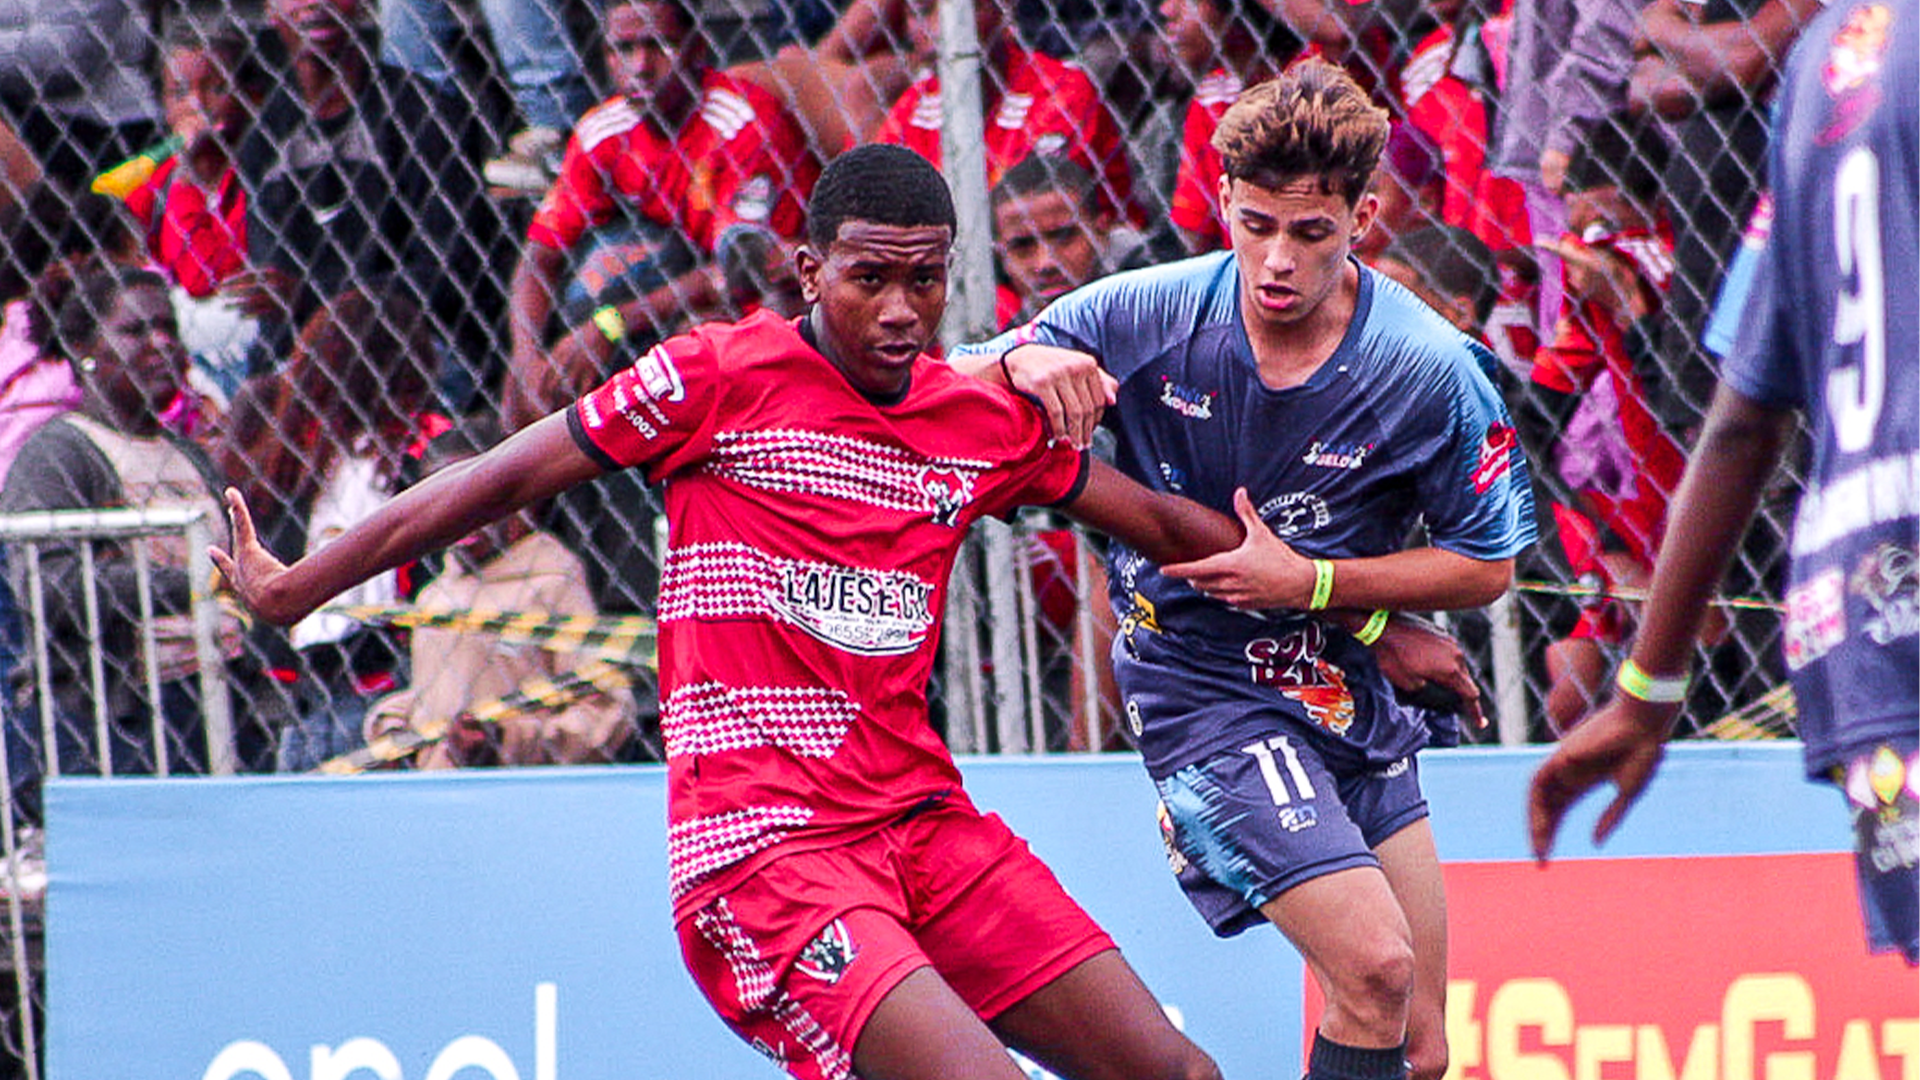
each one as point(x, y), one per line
point(284, 244)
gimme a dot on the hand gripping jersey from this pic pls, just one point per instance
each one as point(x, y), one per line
point(1830, 326)
point(1400, 424)
point(1047, 107)
point(741, 158)
point(811, 535)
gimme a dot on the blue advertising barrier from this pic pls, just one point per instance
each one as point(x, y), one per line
point(515, 924)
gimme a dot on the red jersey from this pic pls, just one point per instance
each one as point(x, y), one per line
point(198, 237)
point(1047, 107)
point(812, 532)
point(740, 158)
point(1196, 187)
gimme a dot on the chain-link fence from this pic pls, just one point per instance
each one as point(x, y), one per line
point(366, 225)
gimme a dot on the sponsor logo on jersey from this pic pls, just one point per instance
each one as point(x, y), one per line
point(1185, 400)
point(1889, 581)
point(1134, 722)
point(1337, 455)
point(1396, 769)
point(1175, 476)
point(1176, 860)
point(1295, 513)
point(1496, 456)
point(948, 492)
point(1293, 665)
point(828, 956)
point(870, 612)
point(1852, 71)
point(1296, 818)
point(1141, 617)
point(640, 413)
point(1816, 618)
point(655, 373)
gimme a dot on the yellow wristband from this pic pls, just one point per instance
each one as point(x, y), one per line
point(1376, 625)
point(1634, 682)
point(1322, 585)
point(611, 323)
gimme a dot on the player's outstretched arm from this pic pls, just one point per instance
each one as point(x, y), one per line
point(1265, 572)
point(1738, 449)
point(538, 463)
point(1160, 526)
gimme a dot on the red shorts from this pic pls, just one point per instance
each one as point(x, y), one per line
point(796, 958)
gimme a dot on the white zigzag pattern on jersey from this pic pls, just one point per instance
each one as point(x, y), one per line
point(1013, 111)
point(926, 113)
point(717, 581)
point(817, 463)
point(698, 847)
point(757, 989)
point(726, 112)
point(1219, 88)
point(834, 1062)
point(711, 718)
point(606, 121)
point(1423, 72)
point(753, 981)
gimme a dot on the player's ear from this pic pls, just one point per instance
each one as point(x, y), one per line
point(1365, 213)
point(808, 263)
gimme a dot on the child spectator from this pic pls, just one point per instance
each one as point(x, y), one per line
point(316, 446)
point(1619, 463)
point(509, 566)
point(1034, 105)
point(192, 209)
point(690, 156)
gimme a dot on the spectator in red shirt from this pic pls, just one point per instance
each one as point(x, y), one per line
point(192, 209)
point(1034, 105)
point(1226, 46)
point(689, 154)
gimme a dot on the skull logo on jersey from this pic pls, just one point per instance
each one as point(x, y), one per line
point(948, 492)
point(1293, 665)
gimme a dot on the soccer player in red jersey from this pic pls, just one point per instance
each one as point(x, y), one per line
point(683, 146)
point(1035, 105)
point(839, 899)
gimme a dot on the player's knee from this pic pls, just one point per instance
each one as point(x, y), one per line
point(1195, 1065)
point(1377, 985)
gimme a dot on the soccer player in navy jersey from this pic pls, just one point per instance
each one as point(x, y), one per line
point(1829, 329)
point(1330, 410)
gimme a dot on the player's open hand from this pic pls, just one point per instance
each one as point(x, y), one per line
point(251, 569)
point(1069, 386)
point(1263, 572)
point(1416, 656)
point(1623, 742)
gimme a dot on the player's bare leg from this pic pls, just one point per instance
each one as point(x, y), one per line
point(1412, 866)
point(922, 1030)
point(1349, 928)
point(1099, 1022)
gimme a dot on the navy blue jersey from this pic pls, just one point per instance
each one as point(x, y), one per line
point(1399, 425)
point(1830, 327)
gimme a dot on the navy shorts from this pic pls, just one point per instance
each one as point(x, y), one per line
point(1246, 825)
point(1883, 792)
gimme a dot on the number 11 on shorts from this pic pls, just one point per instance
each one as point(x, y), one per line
point(1263, 752)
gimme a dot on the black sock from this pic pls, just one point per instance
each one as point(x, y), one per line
point(1332, 1061)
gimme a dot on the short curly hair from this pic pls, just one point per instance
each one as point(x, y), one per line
point(881, 183)
point(1311, 121)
